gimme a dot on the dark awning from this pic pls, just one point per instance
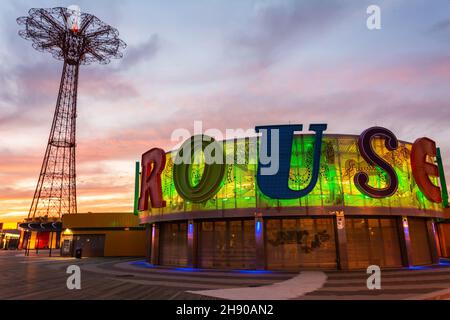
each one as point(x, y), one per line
point(41, 227)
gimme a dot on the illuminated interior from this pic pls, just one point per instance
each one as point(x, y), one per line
point(340, 161)
point(241, 228)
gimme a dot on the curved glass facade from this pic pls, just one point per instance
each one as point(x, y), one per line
point(340, 161)
point(333, 227)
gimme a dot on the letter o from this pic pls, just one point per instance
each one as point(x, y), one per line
point(212, 175)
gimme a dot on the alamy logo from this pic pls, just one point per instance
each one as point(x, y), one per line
point(374, 20)
point(74, 280)
point(374, 280)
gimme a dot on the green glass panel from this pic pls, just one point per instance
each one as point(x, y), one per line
point(339, 162)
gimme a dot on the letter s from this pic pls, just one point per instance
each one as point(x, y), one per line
point(368, 153)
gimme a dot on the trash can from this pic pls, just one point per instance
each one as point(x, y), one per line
point(78, 253)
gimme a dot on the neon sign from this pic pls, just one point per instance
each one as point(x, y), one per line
point(276, 185)
point(369, 154)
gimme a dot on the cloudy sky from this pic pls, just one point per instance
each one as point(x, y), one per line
point(231, 64)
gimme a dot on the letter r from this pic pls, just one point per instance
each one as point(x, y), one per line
point(153, 164)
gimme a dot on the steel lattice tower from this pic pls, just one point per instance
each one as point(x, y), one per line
point(75, 38)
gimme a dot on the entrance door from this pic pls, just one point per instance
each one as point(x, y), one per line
point(444, 239)
point(373, 241)
point(93, 245)
point(420, 245)
point(227, 244)
point(173, 244)
point(42, 240)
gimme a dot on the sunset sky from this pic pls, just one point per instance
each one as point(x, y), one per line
point(231, 64)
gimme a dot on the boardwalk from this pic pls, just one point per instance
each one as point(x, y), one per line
point(414, 283)
point(114, 278)
point(120, 278)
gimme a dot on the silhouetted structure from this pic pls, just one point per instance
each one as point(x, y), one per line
point(75, 38)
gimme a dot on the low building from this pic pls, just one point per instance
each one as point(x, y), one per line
point(9, 236)
point(103, 235)
point(40, 234)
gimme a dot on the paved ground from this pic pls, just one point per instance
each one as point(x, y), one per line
point(414, 283)
point(41, 277)
point(113, 278)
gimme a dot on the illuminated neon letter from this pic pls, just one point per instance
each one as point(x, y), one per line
point(153, 164)
point(276, 186)
point(212, 175)
point(422, 170)
point(368, 153)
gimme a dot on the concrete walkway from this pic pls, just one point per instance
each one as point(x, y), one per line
point(415, 283)
point(43, 277)
point(295, 287)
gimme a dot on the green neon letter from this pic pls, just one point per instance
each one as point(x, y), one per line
point(212, 175)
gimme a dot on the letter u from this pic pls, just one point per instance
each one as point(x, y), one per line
point(276, 186)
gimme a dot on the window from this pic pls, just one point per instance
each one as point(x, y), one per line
point(227, 244)
point(373, 241)
point(420, 245)
point(300, 243)
point(173, 242)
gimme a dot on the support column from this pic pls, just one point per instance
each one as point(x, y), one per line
point(137, 178)
point(442, 178)
point(27, 247)
point(407, 254)
point(21, 240)
point(341, 242)
point(260, 263)
point(51, 243)
point(148, 242)
point(432, 241)
point(155, 244)
point(192, 243)
point(58, 239)
point(443, 237)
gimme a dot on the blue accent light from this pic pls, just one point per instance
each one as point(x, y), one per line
point(253, 271)
point(258, 227)
point(186, 269)
point(444, 263)
point(191, 228)
point(143, 264)
point(419, 268)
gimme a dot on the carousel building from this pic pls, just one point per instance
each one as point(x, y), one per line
point(334, 226)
